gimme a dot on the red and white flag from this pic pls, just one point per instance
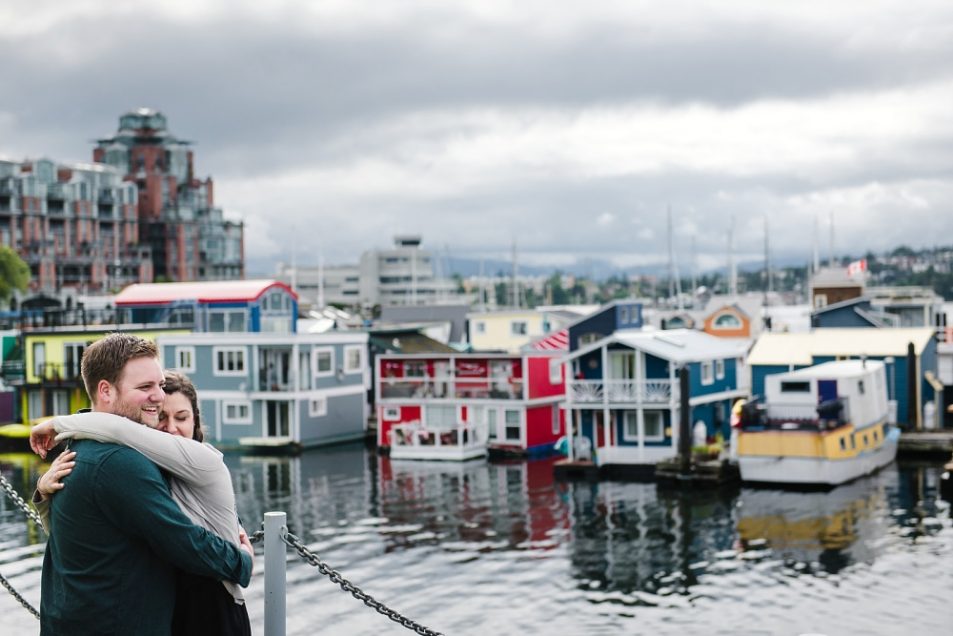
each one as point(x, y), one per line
point(857, 267)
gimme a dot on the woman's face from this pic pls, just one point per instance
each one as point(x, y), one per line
point(176, 416)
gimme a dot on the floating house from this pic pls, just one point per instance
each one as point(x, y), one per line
point(51, 383)
point(276, 391)
point(910, 356)
point(624, 393)
point(431, 405)
point(231, 306)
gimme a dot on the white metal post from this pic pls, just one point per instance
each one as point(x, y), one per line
point(275, 566)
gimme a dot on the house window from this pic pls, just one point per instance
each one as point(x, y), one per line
point(185, 359)
point(654, 425)
point(820, 300)
point(727, 321)
point(556, 427)
point(323, 358)
point(518, 328)
point(630, 431)
point(624, 315)
point(512, 422)
point(391, 414)
point(318, 407)
point(588, 338)
point(73, 354)
point(39, 359)
point(795, 387)
point(60, 402)
point(481, 327)
point(353, 358)
point(442, 417)
point(707, 377)
point(236, 412)
point(719, 369)
point(415, 369)
point(860, 386)
point(226, 320)
point(229, 361)
point(555, 371)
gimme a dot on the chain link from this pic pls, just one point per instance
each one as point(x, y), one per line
point(349, 587)
point(5, 583)
point(255, 537)
point(18, 500)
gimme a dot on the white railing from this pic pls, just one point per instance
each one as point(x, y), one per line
point(452, 387)
point(621, 391)
point(414, 434)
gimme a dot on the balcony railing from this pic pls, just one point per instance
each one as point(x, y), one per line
point(414, 435)
point(621, 391)
point(12, 370)
point(452, 387)
point(57, 372)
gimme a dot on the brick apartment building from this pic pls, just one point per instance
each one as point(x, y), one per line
point(135, 215)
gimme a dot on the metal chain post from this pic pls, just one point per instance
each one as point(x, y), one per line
point(355, 591)
point(18, 500)
point(5, 583)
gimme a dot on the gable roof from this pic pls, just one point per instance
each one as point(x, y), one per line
point(676, 345)
point(221, 291)
point(801, 348)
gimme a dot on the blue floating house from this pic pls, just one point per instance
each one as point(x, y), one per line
point(623, 396)
point(260, 391)
point(911, 379)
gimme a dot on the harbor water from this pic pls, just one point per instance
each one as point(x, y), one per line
point(487, 547)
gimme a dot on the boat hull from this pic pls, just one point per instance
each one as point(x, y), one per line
point(445, 453)
point(821, 471)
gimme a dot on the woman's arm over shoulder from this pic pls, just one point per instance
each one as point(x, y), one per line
point(185, 458)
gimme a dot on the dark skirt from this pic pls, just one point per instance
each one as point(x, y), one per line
point(203, 606)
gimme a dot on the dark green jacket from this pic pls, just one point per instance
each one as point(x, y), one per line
point(117, 537)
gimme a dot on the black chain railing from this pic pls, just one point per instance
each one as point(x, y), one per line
point(32, 514)
point(5, 583)
point(349, 587)
point(18, 500)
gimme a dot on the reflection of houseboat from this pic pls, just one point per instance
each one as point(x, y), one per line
point(803, 525)
point(457, 406)
point(822, 425)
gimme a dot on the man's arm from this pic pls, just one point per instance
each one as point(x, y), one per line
point(190, 461)
point(133, 495)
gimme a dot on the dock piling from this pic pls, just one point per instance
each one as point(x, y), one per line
point(275, 568)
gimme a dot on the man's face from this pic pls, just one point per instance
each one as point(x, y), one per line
point(138, 392)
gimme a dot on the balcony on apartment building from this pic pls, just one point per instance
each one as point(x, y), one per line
point(601, 392)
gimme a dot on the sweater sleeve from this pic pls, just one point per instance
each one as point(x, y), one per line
point(42, 507)
point(187, 459)
point(133, 494)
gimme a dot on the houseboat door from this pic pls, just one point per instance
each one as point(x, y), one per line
point(275, 369)
point(277, 418)
point(599, 422)
point(441, 375)
point(490, 417)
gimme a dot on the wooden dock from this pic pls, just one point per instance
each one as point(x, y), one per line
point(926, 443)
point(715, 472)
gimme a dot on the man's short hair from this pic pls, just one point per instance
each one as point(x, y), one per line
point(106, 358)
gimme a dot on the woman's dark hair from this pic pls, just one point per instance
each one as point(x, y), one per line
point(177, 383)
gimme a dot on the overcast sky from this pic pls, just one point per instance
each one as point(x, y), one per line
point(567, 126)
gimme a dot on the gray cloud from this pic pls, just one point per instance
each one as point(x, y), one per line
point(268, 97)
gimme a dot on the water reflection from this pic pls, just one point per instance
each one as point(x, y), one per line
point(593, 557)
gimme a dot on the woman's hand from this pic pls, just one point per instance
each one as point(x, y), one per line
point(52, 480)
